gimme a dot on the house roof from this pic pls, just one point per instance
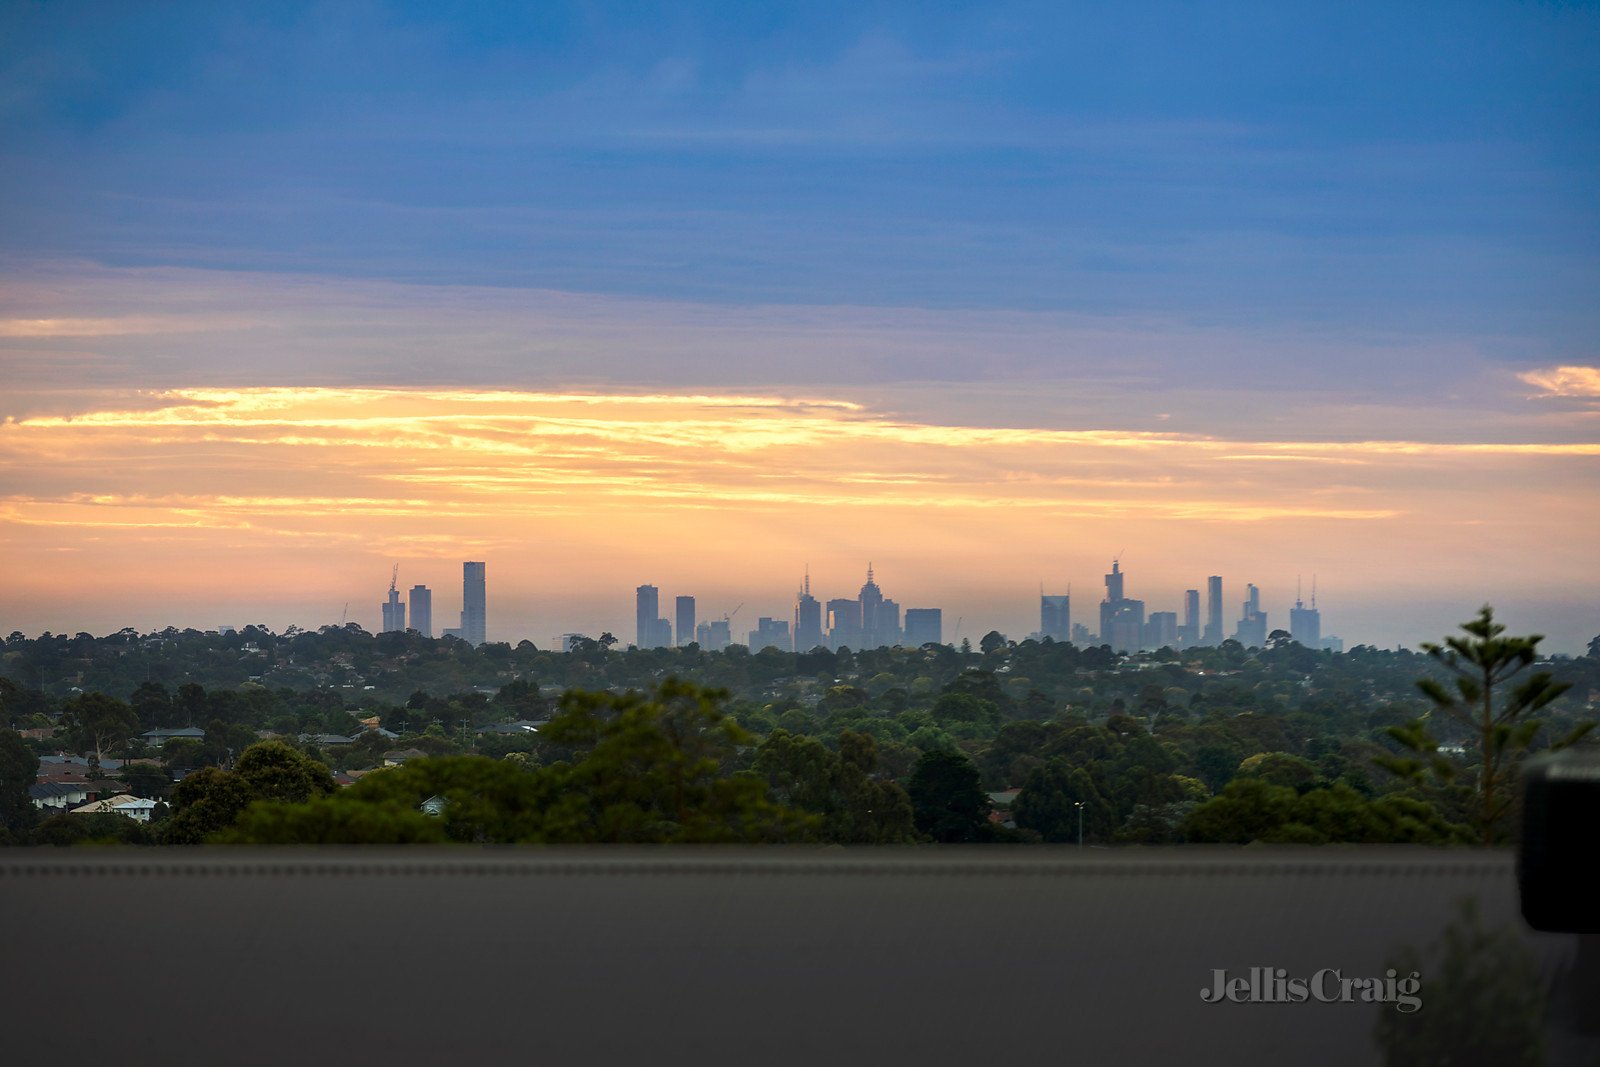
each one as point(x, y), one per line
point(114, 804)
point(63, 760)
point(46, 790)
point(187, 731)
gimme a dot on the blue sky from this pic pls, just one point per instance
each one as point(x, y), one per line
point(1422, 170)
point(1265, 229)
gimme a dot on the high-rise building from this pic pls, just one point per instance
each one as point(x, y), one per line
point(713, 636)
point(394, 610)
point(924, 626)
point(807, 618)
point(1305, 624)
point(646, 610)
point(1121, 619)
point(1161, 630)
point(872, 623)
point(888, 623)
point(1189, 632)
point(770, 633)
point(1055, 617)
point(844, 624)
point(474, 603)
point(1252, 631)
point(422, 610)
point(1213, 631)
point(684, 610)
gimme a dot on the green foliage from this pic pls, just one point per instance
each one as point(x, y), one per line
point(1253, 809)
point(18, 768)
point(206, 802)
point(1484, 706)
point(274, 771)
point(947, 801)
point(1483, 999)
point(210, 801)
point(855, 806)
point(101, 828)
point(98, 722)
point(1280, 768)
point(333, 821)
point(1050, 799)
point(485, 800)
point(145, 780)
point(655, 769)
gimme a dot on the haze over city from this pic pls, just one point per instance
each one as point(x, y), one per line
point(700, 297)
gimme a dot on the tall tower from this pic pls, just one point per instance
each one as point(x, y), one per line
point(807, 618)
point(1055, 617)
point(1252, 632)
point(474, 603)
point(394, 612)
point(1213, 634)
point(872, 623)
point(1305, 624)
point(1189, 636)
point(684, 606)
point(646, 610)
point(422, 610)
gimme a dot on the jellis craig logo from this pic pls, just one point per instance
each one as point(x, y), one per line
point(1272, 985)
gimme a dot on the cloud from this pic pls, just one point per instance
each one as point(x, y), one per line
point(1569, 381)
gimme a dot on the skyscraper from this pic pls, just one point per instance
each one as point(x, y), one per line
point(1055, 617)
point(924, 626)
point(713, 636)
point(684, 606)
point(474, 603)
point(422, 610)
point(770, 633)
point(1305, 624)
point(807, 618)
point(646, 610)
point(1189, 632)
point(1161, 629)
point(844, 624)
point(394, 612)
point(1213, 634)
point(1252, 632)
point(1121, 619)
point(871, 600)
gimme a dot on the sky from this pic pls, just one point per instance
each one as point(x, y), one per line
point(703, 295)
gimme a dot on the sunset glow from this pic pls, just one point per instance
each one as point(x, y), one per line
point(735, 490)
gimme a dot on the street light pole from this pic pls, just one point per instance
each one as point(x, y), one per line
point(1079, 805)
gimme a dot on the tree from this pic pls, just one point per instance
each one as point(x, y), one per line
point(947, 800)
point(1484, 1001)
point(210, 801)
point(18, 768)
point(656, 768)
point(334, 821)
point(1495, 715)
point(855, 806)
point(96, 721)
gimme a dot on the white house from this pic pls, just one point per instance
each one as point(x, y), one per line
point(136, 808)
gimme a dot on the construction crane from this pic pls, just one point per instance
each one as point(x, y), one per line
point(345, 614)
point(394, 578)
point(728, 618)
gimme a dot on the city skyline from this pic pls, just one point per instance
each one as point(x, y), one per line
point(987, 295)
point(852, 629)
